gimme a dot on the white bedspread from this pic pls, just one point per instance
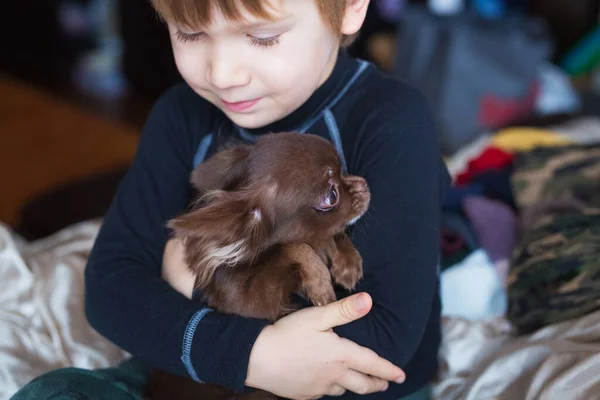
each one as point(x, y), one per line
point(42, 321)
point(43, 327)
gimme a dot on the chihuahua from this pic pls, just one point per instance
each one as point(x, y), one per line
point(269, 223)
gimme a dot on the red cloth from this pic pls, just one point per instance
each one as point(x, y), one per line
point(492, 158)
point(496, 111)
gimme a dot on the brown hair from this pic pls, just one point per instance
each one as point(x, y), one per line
point(199, 12)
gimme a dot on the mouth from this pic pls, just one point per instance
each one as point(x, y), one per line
point(360, 208)
point(240, 106)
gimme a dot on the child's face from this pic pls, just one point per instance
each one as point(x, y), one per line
point(258, 71)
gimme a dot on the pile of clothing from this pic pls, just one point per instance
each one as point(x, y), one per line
point(521, 274)
point(520, 226)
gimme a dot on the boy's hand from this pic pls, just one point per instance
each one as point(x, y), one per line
point(175, 269)
point(300, 357)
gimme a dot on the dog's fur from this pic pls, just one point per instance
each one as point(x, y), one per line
point(269, 223)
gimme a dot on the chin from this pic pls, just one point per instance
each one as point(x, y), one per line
point(251, 120)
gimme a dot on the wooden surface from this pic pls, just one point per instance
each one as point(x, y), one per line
point(46, 142)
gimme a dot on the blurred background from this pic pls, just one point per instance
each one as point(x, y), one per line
point(80, 75)
point(514, 86)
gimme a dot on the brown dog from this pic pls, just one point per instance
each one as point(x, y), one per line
point(270, 223)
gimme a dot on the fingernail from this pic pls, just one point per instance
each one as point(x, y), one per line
point(385, 388)
point(361, 301)
point(401, 379)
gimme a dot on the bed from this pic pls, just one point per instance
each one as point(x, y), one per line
point(43, 326)
point(42, 321)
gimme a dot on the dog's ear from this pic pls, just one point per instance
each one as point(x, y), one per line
point(229, 230)
point(222, 169)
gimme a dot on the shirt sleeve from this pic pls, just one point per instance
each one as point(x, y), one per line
point(399, 236)
point(126, 299)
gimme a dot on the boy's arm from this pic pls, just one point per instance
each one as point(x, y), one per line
point(399, 236)
point(126, 299)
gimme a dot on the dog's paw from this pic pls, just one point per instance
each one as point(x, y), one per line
point(322, 295)
point(320, 290)
point(347, 269)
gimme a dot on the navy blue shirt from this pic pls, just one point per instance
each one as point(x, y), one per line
point(384, 131)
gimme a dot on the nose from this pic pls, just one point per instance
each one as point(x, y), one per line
point(225, 69)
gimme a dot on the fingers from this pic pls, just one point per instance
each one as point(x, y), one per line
point(343, 311)
point(360, 383)
point(336, 390)
point(368, 362)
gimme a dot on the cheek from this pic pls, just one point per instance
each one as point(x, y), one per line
point(306, 224)
point(282, 76)
point(297, 67)
point(346, 204)
point(189, 64)
point(322, 224)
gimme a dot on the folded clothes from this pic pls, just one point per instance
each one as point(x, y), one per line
point(455, 195)
point(525, 139)
point(472, 289)
point(492, 158)
point(495, 226)
point(459, 161)
point(497, 185)
point(455, 258)
point(494, 184)
point(583, 130)
point(457, 238)
point(554, 271)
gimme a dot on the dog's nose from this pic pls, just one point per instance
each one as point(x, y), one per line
point(357, 185)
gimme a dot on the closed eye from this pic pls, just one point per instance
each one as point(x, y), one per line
point(264, 41)
point(189, 37)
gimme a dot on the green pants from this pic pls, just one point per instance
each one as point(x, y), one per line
point(125, 382)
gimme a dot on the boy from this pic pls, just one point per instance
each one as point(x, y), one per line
point(257, 66)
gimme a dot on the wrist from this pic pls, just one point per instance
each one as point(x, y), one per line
point(260, 359)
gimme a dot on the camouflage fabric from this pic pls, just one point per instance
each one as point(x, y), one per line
point(555, 269)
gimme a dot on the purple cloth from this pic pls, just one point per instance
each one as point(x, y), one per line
point(495, 225)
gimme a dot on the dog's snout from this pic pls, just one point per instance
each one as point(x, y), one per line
point(362, 186)
point(356, 184)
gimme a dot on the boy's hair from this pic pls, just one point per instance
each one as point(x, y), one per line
point(199, 12)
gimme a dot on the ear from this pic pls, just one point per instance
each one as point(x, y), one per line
point(228, 231)
point(354, 16)
point(222, 169)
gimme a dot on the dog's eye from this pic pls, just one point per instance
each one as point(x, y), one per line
point(330, 200)
point(332, 196)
